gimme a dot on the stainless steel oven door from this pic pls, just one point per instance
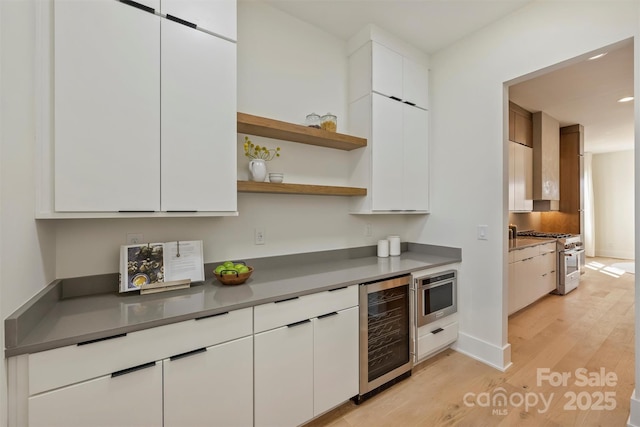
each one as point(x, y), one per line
point(569, 270)
point(436, 300)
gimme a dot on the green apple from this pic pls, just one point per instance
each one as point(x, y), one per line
point(243, 269)
point(219, 269)
point(228, 264)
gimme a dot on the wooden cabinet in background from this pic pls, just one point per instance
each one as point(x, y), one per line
point(520, 125)
point(571, 182)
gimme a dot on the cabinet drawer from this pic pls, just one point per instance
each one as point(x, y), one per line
point(67, 365)
point(528, 252)
point(431, 342)
point(134, 399)
point(280, 313)
point(548, 262)
point(547, 248)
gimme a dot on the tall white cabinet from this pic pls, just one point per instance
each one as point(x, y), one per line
point(388, 95)
point(144, 107)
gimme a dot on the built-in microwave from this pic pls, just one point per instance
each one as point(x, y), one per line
point(437, 296)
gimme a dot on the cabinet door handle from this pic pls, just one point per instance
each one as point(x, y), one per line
point(335, 313)
point(291, 325)
point(134, 369)
point(181, 21)
point(285, 300)
point(138, 6)
point(413, 104)
point(212, 315)
point(337, 289)
point(437, 331)
point(101, 339)
point(395, 98)
point(187, 354)
point(133, 211)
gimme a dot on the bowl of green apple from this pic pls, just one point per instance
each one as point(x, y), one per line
point(232, 273)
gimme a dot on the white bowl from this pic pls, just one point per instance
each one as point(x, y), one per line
point(276, 177)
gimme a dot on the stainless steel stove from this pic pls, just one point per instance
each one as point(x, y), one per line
point(570, 261)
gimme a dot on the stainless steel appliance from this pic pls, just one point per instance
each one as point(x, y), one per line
point(386, 334)
point(437, 296)
point(570, 259)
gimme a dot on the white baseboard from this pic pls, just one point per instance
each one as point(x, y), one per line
point(615, 254)
point(634, 411)
point(487, 353)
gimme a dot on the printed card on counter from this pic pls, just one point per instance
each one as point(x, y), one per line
point(157, 263)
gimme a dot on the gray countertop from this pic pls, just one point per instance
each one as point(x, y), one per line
point(521, 242)
point(50, 320)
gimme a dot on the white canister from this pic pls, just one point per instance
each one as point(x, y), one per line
point(383, 248)
point(394, 245)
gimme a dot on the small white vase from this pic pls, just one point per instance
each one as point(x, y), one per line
point(258, 170)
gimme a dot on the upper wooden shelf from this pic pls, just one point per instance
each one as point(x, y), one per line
point(321, 190)
point(270, 128)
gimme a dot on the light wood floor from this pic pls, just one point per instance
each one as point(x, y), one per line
point(591, 328)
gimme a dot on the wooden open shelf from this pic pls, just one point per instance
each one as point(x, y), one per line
point(270, 128)
point(323, 190)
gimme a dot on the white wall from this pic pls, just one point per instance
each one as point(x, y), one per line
point(468, 145)
point(27, 252)
point(613, 188)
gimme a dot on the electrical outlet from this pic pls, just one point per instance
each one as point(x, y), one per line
point(259, 237)
point(368, 229)
point(134, 238)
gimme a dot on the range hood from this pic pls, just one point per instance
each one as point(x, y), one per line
point(546, 163)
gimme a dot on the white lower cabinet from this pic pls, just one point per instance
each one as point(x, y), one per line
point(335, 361)
point(192, 373)
point(309, 365)
point(284, 375)
point(532, 275)
point(127, 398)
point(210, 386)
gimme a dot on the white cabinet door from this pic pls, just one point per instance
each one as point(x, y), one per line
point(386, 68)
point(387, 154)
point(416, 163)
point(216, 16)
point(198, 136)
point(284, 376)
point(523, 178)
point(415, 86)
point(335, 360)
point(512, 176)
point(212, 386)
point(130, 399)
point(107, 107)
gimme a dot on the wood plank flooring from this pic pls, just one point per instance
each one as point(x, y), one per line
point(590, 328)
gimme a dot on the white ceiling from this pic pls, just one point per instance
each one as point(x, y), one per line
point(429, 25)
point(584, 92)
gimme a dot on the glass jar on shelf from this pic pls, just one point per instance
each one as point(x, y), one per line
point(313, 120)
point(329, 122)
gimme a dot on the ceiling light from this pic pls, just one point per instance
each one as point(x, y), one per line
point(626, 99)
point(600, 55)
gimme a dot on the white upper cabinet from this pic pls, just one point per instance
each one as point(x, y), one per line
point(386, 69)
point(216, 16)
point(107, 107)
point(377, 68)
point(415, 88)
point(415, 132)
point(144, 110)
point(198, 131)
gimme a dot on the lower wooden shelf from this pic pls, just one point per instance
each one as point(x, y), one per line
point(322, 190)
